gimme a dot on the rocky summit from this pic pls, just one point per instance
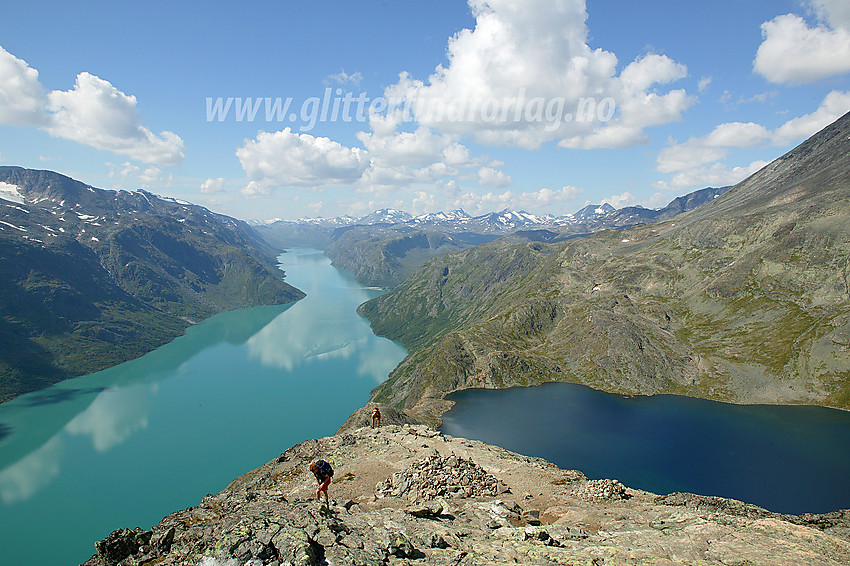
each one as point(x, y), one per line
point(407, 494)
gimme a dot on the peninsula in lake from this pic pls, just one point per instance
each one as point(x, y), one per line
point(743, 299)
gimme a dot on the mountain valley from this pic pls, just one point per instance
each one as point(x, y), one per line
point(92, 278)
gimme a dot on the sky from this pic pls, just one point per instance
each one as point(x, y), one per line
point(284, 109)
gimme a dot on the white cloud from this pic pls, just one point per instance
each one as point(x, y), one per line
point(419, 148)
point(287, 159)
point(381, 179)
point(129, 174)
point(737, 134)
point(96, 113)
point(835, 12)
point(793, 52)
point(525, 75)
point(153, 177)
point(402, 158)
point(539, 201)
point(22, 97)
point(704, 83)
point(697, 162)
point(489, 177)
point(715, 175)
point(344, 78)
point(692, 153)
point(834, 105)
point(93, 113)
point(424, 202)
point(457, 155)
point(213, 185)
point(619, 201)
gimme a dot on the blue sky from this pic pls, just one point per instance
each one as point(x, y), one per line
point(538, 105)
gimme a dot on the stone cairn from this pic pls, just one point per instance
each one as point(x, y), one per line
point(437, 476)
point(601, 489)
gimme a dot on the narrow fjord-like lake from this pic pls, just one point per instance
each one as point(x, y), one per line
point(784, 458)
point(126, 446)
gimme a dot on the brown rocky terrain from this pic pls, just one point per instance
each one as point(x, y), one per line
point(406, 494)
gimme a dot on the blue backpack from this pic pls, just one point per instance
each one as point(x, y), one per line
point(325, 469)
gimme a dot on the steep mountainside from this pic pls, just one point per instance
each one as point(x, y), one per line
point(385, 257)
point(90, 278)
point(744, 299)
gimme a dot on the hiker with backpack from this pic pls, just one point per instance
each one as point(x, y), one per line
point(323, 472)
point(376, 417)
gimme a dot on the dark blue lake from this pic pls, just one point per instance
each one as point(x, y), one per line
point(789, 459)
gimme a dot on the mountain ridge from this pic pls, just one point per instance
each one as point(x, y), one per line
point(744, 299)
point(385, 247)
point(502, 221)
point(406, 494)
point(90, 278)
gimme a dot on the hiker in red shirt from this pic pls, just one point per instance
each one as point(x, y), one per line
point(323, 472)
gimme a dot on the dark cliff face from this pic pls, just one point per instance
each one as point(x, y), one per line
point(744, 299)
point(90, 278)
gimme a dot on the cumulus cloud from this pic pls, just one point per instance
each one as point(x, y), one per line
point(489, 177)
point(93, 113)
point(794, 52)
point(834, 105)
point(525, 75)
point(419, 148)
point(540, 201)
point(152, 177)
point(836, 12)
point(213, 185)
point(287, 159)
point(96, 113)
point(714, 175)
point(128, 174)
point(698, 161)
point(424, 202)
point(619, 201)
point(399, 158)
point(22, 97)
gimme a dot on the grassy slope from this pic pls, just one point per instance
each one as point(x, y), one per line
point(745, 299)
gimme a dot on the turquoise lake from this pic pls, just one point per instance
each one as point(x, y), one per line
point(126, 446)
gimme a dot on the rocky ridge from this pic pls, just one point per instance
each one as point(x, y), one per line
point(399, 497)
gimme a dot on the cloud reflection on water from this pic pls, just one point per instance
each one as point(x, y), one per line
point(321, 327)
point(31, 473)
point(113, 416)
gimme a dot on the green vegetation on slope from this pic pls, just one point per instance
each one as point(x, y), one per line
point(745, 299)
point(91, 278)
